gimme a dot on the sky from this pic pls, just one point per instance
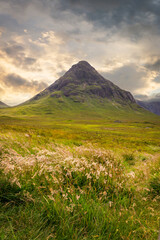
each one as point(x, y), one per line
point(41, 39)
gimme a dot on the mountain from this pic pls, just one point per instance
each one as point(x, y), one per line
point(3, 105)
point(83, 80)
point(151, 105)
point(81, 93)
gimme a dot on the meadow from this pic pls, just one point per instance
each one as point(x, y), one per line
point(79, 179)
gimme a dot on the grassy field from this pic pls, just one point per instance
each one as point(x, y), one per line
point(68, 179)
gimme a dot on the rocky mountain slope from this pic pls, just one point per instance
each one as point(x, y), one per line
point(81, 80)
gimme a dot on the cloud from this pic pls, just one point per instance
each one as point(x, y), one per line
point(19, 83)
point(1, 91)
point(105, 13)
point(134, 14)
point(16, 4)
point(41, 39)
point(154, 66)
point(157, 95)
point(141, 97)
point(17, 53)
point(129, 77)
point(21, 72)
point(157, 79)
point(148, 98)
point(13, 50)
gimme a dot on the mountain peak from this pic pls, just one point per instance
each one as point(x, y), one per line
point(83, 63)
point(82, 66)
point(82, 81)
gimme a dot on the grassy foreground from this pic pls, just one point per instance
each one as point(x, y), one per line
point(79, 181)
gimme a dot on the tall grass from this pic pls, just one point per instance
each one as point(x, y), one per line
point(76, 192)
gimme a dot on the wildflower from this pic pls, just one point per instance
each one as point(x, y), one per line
point(68, 209)
point(131, 174)
point(51, 197)
point(51, 190)
point(104, 193)
point(110, 203)
point(28, 196)
point(27, 135)
point(88, 175)
point(18, 184)
point(77, 197)
point(65, 196)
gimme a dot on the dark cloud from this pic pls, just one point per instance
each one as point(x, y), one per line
point(157, 96)
point(128, 77)
point(17, 54)
point(116, 11)
point(9, 22)
point(155, 66)
point(157, 79)
point(13, 50)
point(29, 60)
point(17, 3)
point(103, 5)
point(133, 16)
point(17, 82)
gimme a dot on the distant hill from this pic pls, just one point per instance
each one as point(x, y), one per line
point(152, 105)
point(82, 93)
point(3, 105)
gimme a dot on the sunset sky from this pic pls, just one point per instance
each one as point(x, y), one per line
point(41, 39)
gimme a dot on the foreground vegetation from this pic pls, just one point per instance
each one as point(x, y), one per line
point(76, 180)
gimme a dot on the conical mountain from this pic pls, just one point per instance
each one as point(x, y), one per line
point(82, 93)
point(82, 81)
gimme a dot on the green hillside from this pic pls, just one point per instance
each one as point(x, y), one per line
point(92, 109)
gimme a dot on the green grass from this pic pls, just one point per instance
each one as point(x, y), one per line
point(76, 180)
point(72, 109)
point(67, 172)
